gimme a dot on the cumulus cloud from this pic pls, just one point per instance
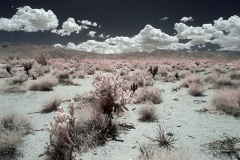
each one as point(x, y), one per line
point(101, 36)
point(58, 45)
point(92, 34)
point(68, 27)
point(147, 40)
point(86, 22)
point(30, 20)
point(164, 19)
point(225, 33)
point(185, 19)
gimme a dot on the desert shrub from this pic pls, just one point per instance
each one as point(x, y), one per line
point(12, 130)
point(147, 113)
point(190, 79)
point(86, 98)
point(10, 143)
point(51, 105)
point(81, 74)
point(13, 122)
point(4, 74)
point(196, 89)
point(27, 66)
point(228, 147)
point(42, 59)
point(16, 81)
point(184, 73)
point(211, 78)
point(13, 89)
point(90, 71)
point(235, 75)
point(222, 82)
point(163, 139)
point(228, 101)
point(64, 78)
point(148, 94)
point(94, 129)
point(219, 69)
point(44, 84)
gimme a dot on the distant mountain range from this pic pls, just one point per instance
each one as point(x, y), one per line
point(29, 50)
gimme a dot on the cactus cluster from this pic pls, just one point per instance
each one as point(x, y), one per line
point(64, 129)
point(111, 93)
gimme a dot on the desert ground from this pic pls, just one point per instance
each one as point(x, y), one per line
point(164, 105)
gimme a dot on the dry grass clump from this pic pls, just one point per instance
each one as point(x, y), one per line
point(189, 80)
point(4, 74)
point(81, 74)
point(227, 147)
point(147, 113)
point(222, 82)
point(94, 129)
point(148, 94)
point(90, 71)
point(12, 130)
point(64, 78)
point(228, 101)
point(196, 89)
point(13, 89)
point(44, 84)
point(16, 81)
point(51, 105)
point(163, 139)
point(235, 75)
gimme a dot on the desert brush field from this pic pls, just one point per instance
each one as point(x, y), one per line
point(58, 104)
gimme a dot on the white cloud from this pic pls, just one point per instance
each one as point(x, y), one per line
point(225, 33)
point(68, 27)
point(94, 24)
point(164, 19)
point(147, 40)
point(92, 34)
point(86, 22)
point(101, 36)
point(30, 20)
point(185, 19)
point(58, 45)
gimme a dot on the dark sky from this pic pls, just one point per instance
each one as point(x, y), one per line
point(117, 17)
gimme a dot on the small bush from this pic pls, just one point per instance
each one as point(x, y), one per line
point(16, 81)
point(147, 113)
point(12, 122)
point(189, 80)
point(222, 82)
point(10, 143)
point(51, 105)
point(196, 89)
point(148, 94)
point(44, 84)
point(64, 78)
point(81, 74)
point(228, 101)
point(12, 130)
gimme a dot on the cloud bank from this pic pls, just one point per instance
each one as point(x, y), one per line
point(225, 33)
point(30, 20)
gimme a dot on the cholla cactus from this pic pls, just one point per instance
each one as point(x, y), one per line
point(64, 129)
point(110, 91)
